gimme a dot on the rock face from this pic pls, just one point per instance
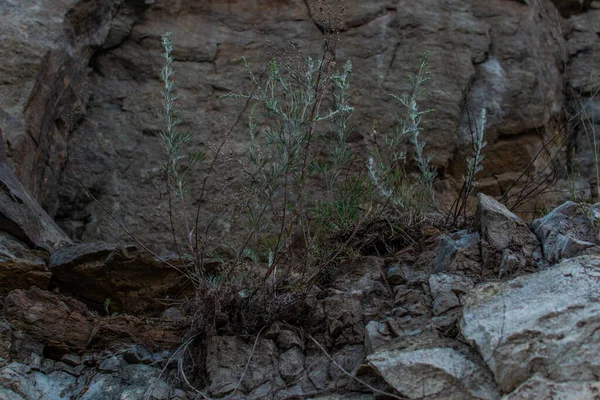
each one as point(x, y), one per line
point(503, 55)
point(47, 46)
point(546, 323)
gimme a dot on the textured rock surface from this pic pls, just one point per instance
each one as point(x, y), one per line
point(545, 323)
point(507, 244)
point(63, 323)
point(502, 54)
point(21, 382)
point(569, 230)
point(426, 366)
point(22, 217)
point(132, 281)
point(21, 267)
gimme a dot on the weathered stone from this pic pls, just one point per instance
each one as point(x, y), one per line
point(568, 231)
point(23, 218)
point(133, 281)
point(507, 245)
point(458, 252)
point(20, 266)
point(444, 302)
point(405, 274)
point(111, 364)
point(440, 283)
point(18, 381)
point(344, 318)
point(432, 367)
point(349, 358)
point(65, 324)
point(544, 323)
point(291, 365)
point(226, 360)
point(538, 387)
point(137, 355)
point(377, 334)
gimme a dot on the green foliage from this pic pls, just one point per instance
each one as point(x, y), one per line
point(304, 181)
point(387, 164)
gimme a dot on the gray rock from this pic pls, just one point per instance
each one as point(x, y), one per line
point(428, 366)
point(32, 385)
point(538, 387)
point(111, 364)
point(405, 274)
point(137, 355)
point(227, 357)
point(568, 231)
point(444, 302)
point(291, 364)
point(458, 252)
point(542, 323)
point(440, 283)
point(507, 244)
point(349, 358)
point(71, 359)
point(377, 334)
point(344, 318)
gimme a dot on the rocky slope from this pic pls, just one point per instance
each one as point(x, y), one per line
point(503, 310)
point(499, 311)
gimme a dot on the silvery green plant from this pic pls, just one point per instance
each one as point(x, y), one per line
point(474, 164)
point(475, 160)
point(287, 108)
point(175, 140)
point(387, 161)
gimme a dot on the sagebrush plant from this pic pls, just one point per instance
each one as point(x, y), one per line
point(281, 163)
point(304, 113)
point(473, 165)
point(304, 182)
point(387, 163)
point(179, 161)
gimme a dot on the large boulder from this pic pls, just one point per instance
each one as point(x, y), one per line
point(545, 323)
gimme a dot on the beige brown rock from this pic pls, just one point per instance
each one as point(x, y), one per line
point(65, 324)
point(21, 267)
point(131, 281)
